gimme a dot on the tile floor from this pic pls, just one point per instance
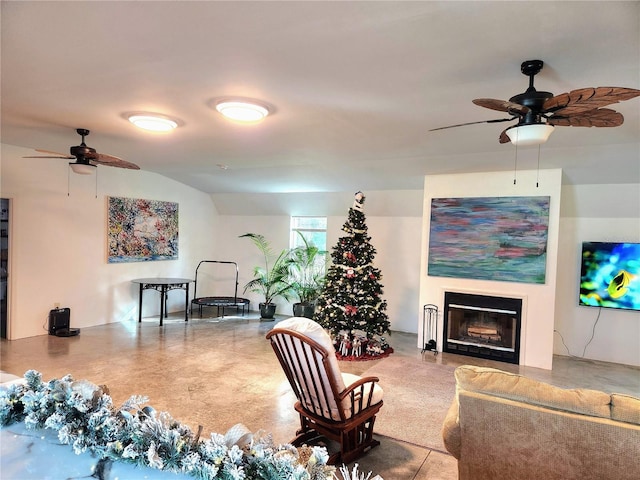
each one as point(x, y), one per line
point(117, 353)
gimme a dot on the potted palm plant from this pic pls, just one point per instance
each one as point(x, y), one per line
point(270, 279)
point(307, 273)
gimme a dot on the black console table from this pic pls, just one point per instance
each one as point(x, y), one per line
point(164, 285)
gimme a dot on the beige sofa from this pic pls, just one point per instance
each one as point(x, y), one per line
point(506, 426)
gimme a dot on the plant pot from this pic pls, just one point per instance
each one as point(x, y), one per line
point(267, 310)
point(304, 310)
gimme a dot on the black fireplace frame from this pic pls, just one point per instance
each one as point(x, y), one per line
point(489, 302)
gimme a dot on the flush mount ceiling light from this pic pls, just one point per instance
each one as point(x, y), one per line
point(534, 134)
point(243, 110)
point(153, 122)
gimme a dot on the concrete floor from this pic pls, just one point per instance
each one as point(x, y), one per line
point(195, 370)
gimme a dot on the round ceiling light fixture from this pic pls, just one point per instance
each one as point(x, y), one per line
point(244, 110)
point(82, 168)
point(532, 134)
point(153, 122)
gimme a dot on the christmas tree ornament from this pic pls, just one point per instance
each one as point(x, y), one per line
point(350, 305)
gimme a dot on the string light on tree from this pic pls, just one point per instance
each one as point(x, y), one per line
point(351, 305)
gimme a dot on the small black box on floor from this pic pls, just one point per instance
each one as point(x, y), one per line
point(59, 321)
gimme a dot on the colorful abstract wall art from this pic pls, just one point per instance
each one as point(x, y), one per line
point(489, 238)
point(141, 230)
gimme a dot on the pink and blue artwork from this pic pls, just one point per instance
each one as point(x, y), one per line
point(141, 230)
point(489, 238)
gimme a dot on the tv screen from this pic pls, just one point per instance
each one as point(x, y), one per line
point(610, 275)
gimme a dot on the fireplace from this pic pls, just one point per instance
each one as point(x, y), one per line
point(482, 326)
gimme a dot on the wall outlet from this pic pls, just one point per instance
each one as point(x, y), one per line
point(56, 305)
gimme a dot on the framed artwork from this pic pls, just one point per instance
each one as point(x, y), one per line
point(489, 238)
point(141, 230)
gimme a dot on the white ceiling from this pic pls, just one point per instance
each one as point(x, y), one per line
point(355, 85)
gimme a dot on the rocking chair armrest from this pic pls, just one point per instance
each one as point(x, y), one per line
point(359, 388)
point(357, 383)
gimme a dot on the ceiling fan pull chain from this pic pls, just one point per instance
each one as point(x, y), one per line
point(538, 172)
point(68, 179)
point(515, 162)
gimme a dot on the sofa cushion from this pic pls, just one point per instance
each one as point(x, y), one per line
point(516, 387)
point(625, 408)
point(508, 439)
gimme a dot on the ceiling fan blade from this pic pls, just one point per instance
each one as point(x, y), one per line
point(51, 155)
point(111, 161)
point(84, 155)
point(585, 99)
point(120, 164)
point(599, 117)
point(61, 155)
point(504, 138)
point(474, 123)
point(502, 106)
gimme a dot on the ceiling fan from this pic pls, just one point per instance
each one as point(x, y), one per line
point(538, 112)
point(86, 158)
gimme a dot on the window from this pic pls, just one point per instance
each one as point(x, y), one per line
point(313, 229)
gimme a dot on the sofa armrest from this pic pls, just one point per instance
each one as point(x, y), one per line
point(451, 434)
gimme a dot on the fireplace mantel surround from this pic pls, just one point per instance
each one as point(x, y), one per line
point(538, 300)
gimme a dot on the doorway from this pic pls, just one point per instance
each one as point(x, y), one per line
point(4, 266)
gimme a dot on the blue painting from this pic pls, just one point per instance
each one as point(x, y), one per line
point(489, 238)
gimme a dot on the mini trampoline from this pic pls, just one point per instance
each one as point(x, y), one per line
point(217, 301)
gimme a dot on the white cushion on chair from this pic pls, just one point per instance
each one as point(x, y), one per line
point(350, 378)
point(309, 328)
point(315, 332)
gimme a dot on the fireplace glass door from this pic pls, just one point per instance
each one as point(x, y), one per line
point(482, 326)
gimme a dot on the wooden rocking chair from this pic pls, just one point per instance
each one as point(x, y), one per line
point(339, 406)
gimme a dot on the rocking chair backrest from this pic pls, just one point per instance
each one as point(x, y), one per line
point(308, 359)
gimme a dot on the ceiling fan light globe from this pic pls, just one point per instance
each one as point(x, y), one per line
point(524, 135)
point(82, 168)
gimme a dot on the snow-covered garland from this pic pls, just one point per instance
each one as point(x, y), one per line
point(84, 416)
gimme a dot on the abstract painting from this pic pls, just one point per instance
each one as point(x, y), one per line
point(141, 230)
point(489, 238)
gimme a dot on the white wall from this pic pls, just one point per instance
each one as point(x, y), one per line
point(379, 203)
point(616, 337)
point(617, 333)
point(58, 251)
point(242, 250)
point(396, 239)
point(58, 242)
point(397, 243)
point(536, 348)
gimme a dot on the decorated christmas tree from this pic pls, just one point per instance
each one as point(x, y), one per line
point(350, 305)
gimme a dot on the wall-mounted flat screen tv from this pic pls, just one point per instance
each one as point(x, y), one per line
point(610, 275)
